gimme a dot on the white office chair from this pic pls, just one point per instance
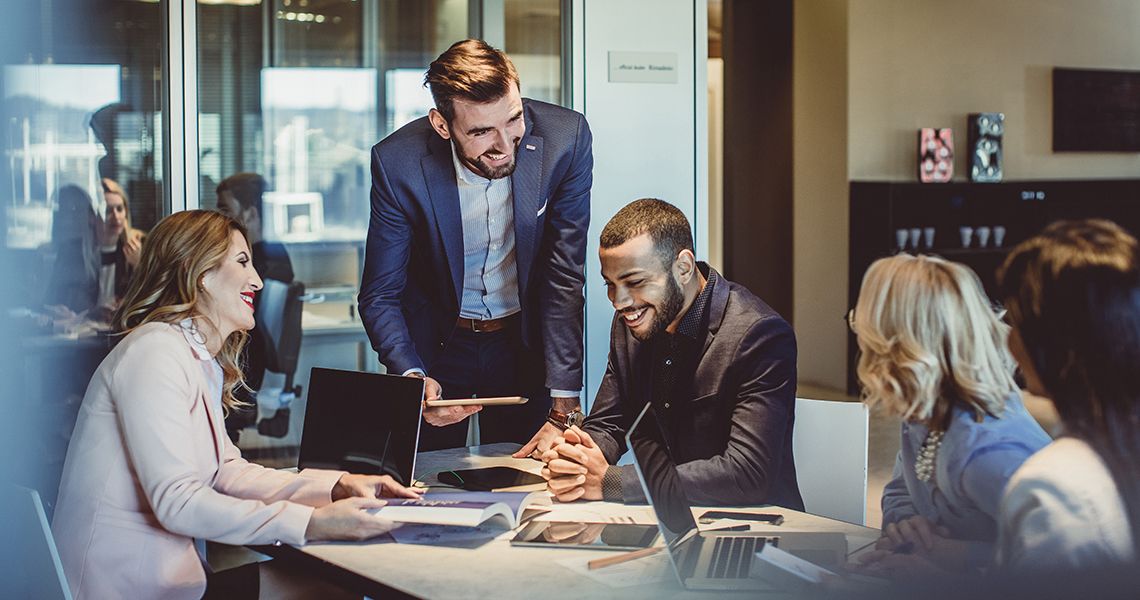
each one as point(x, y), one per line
point(29, 561)
point(830, 446)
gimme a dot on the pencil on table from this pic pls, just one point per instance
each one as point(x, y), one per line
point(599, 563)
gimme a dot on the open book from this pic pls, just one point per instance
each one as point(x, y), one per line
point(465, 508)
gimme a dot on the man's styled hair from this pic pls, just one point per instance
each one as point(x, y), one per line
point(665, 224)
point(247, 189)
point(470, 70)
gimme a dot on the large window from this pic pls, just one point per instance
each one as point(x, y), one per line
point(81, 111)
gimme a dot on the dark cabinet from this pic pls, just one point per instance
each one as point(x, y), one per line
point(879, 210)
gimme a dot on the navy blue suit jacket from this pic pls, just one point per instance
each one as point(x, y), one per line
point(413, 265)
point(732, 440)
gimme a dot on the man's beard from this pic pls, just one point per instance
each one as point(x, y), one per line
point(481, 168)
point(666, 312)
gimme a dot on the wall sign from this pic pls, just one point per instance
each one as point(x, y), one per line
point(643, 67)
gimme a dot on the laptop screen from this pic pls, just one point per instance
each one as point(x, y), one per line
point(659, 477)
point(362, 422)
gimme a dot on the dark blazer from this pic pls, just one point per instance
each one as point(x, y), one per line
point(732, 441)
point(413, 266)
point(73, 286)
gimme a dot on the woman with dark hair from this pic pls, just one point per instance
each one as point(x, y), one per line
point(1073, 294)
point(150, 471)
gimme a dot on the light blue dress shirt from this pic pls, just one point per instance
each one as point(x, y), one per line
point(490, 274)
point(972, 467)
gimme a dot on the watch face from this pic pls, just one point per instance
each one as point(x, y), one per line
point(575, 418)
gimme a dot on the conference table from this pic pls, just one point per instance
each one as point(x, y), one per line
point(491, 567)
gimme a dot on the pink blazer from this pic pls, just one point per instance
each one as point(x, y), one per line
point(150, 467)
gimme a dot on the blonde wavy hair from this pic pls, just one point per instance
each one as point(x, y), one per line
point(928, 338)
point(166, 287)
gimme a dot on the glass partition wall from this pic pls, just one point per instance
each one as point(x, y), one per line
point(82, 117)
point(298, 91)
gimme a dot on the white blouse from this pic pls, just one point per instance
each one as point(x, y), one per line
point(1061, 510)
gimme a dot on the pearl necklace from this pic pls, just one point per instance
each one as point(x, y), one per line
point(924, 464)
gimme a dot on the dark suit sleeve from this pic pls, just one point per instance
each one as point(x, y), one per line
point(765, 367)
point(563, 274)
point(385, 275)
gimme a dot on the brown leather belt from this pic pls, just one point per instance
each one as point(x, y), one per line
point(488, 326)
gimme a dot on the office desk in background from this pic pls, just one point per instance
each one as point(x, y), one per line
point(495, 569)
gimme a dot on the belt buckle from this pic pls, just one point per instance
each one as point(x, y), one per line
point(475, 326)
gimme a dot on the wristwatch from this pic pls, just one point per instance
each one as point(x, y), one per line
point(563, 420)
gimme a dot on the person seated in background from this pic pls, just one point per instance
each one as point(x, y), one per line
point(1073, 294)
point(241, 197)
point(94, 260)
point(716, 362)
point(149, 471)
point(933, 353)
point(73, 285)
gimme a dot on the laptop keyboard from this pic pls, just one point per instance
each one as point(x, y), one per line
point(732, 557)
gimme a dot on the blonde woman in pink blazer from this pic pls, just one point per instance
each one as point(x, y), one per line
point(150, 473)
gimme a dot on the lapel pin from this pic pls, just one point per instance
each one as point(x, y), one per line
point(529, 147)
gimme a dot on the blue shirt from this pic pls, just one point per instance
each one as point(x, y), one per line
point(972, 467)
point(490, 275)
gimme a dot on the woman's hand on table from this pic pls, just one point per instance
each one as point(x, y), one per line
point(371, 486)
point(347, 519)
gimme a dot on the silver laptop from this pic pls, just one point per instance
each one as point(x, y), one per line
point(709, 560)
point(362, 422)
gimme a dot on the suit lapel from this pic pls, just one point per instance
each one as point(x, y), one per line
point(526, 190)
point(439, 177)
point(716, 308)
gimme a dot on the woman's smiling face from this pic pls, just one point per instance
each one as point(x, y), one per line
point(229, 289)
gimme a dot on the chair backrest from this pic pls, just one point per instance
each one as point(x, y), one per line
point(29, 562)
point(279, 321)
point(830, 445)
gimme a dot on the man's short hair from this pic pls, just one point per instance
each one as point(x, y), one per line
point(665, 224)
point(247, 189)
point(470, 70)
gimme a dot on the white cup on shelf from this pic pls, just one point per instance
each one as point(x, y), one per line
point(999, 236)
point(928, 237)
point(967, 234)
point(983, 233)
point(915, 235)
point(900, 238)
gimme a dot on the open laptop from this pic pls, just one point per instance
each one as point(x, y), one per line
point(362, 422)
point(708, 560)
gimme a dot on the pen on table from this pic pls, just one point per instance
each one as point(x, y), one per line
point(599, 563)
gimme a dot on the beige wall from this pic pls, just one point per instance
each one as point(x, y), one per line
point(868, 73)
point(819, 134)
point(921, 63)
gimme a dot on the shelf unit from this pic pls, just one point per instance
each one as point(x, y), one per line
point(879, 208)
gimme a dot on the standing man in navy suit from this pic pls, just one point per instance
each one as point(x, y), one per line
point(474, 267)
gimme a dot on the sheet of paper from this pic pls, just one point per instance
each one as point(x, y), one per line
point(642, 571)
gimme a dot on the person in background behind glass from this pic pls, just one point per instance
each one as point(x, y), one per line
point(932, 352)
point(241, 197)
point(94, 260)
point(73, 286)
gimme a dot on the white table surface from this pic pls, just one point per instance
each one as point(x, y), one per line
point(495, 569)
